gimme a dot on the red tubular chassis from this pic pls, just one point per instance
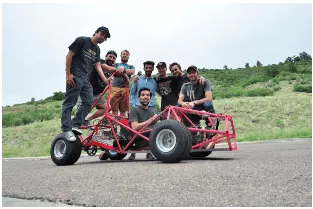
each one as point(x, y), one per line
point(173, 138)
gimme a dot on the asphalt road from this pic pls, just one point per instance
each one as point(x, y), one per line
point(271, 173)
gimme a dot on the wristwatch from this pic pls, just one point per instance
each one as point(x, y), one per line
point(195, 102)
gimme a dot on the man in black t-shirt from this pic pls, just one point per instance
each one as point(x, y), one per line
point(98, 85)
point(140, 116)
point(167, 86)
point(83, 53)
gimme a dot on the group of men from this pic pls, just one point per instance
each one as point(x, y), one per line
point(87, 76)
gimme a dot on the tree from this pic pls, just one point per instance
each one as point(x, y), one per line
point(272, 71)
point(259, 64)
point(297, 59)
point(32, 99)
point(305, 56)
point(247, 65)
point(225, 67)
point(289, 59)
point(58, 96)
point(292, 67)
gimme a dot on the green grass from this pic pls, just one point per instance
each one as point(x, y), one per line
point(287, 114)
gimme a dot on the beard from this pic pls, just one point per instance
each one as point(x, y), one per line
point(100, 40)
point(144, 103)
point(109, 62)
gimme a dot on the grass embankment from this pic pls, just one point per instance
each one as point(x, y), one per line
point(285, 115)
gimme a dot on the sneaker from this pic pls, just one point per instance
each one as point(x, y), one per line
point(86, 123)
point(70, 136)
point(149, 156)
point(132, 156)
point(77, 131)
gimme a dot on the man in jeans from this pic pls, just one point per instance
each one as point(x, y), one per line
point(83, 53)
point(195, 96)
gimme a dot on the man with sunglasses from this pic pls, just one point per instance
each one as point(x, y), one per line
point(83, 53)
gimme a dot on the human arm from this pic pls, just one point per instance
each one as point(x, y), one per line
point(130, 71)
point(182, 103)
point(137, 126)
point(68, 62)
point(133, 95)
point(100, 72)
point(202, 80)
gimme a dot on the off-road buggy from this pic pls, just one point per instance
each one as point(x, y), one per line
point(179, 134)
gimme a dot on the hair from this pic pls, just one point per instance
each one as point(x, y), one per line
point(125, 50)
point(148, 63)
point(144, 89)
point(111, 52)
point(175, 63)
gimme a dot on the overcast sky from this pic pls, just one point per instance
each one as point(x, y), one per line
point(36, 37)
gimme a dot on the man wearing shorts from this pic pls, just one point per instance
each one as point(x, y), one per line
point(120, 84)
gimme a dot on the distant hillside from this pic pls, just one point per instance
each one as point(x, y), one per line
point(227, 83)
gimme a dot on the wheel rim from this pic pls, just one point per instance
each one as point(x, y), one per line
point(59, 149)
point(166, 140)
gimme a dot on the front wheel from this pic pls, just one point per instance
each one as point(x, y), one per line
point(170, 141)
point(64, 152)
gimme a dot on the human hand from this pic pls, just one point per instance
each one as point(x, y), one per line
point(70, 80)
point(202, 80)
point(136, 78)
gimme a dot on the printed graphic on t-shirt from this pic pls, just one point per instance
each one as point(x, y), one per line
point(165, 88)
point(90, 54)
point(191, 93)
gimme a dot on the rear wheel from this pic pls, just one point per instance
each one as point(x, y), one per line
point(64, 152)
point(170, 141)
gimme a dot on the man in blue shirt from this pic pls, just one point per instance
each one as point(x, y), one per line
point(144, 81)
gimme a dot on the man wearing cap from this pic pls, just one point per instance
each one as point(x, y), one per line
point(167, 86)
point(83, 53)
point(193, 95)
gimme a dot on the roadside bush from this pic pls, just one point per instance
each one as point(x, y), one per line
point(224, 92)
point(272, 71)
point(302, 88)
point(259, 92)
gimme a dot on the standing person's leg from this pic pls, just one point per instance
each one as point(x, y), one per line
point(114, 98)
point(70, 99)
point(123, 106)
point(79, 102)
point(87, 101)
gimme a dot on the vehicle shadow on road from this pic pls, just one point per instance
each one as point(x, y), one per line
point(97, 161)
